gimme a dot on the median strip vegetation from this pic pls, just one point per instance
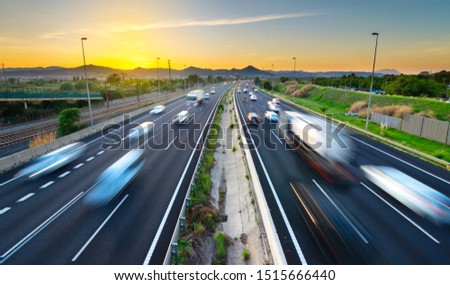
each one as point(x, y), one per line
point(202, 216)
point(342, 104)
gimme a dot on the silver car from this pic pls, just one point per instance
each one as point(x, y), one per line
point(115, 178)
point(157, 109)
point(52, 161)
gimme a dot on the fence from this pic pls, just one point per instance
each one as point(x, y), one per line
point(419, 126)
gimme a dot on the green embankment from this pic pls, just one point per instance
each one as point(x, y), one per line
point(337, 102)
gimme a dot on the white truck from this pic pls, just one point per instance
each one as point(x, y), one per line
point(328, 151)
point(195, 97)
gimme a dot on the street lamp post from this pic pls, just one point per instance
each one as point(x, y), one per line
point(157, 75)
point(371, 80)
point(87, 85)
point(295, 61)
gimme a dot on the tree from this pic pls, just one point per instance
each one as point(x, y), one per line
point(68, 121)
point(267, 85)
point(113, 79)
point(284, 79)
point(66, 86)
point(257, 81)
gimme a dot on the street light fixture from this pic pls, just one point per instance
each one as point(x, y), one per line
point(87, 85)
point(157, 75)
point(371, 80)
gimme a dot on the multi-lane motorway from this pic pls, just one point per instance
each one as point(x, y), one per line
point(45, 221)
point(390, 233)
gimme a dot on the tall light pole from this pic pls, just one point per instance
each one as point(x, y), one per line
point(371, 80)
point(87, 85)
point(157, 75)
point(295, 61)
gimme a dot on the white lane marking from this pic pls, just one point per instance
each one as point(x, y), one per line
point(90, 158)
point(38, 229)
point(46, 185)
point(98, 230)
point(403, 215)
point(172, 200)
point(109, 147)
point(276, 137)
point(4, 210)
point(342, 214)
point(405, 162)
point(64, 174)
point(78, 166)
point(25, 197)
point(170, 143)
point(100, 152)
point(10, 180)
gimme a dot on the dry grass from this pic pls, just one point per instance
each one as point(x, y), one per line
point(358, 106)
point(302, 93)
point(394, 111)
point(291, 86)
point(426, 114)
point(41, 139)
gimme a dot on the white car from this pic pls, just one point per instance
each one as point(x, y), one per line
point(206, 96)
point(276, 100)
point(253, 97)
point(157, 109)
point(272, 106)
point(271, 116)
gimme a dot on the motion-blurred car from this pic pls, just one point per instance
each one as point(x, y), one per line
point(52, 161)
point(206, 96)
point(143, 129)
point(273, 106)
point(181, 118)
point(271, 116)
point(420, 198)
point(115, 178)
point(276, 100)
point(157, 110)
point(213, 91)
point(253, 118)
point(343, 237)
point(253, 97)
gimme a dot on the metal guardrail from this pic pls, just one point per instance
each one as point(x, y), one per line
point(172, 250)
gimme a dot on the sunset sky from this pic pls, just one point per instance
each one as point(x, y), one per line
point(322, 34)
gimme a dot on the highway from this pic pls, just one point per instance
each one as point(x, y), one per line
point(45, 221)
point(389, 232)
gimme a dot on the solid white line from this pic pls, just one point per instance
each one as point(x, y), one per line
point(10, 180)
point(98, 230)
point(109, 147)
point(46, 185)
point(339, 210)
point(277, 200)
point(4, 210)
point(64, 174)
point(172, 200)
point(25, 197)
point(90, 158)
point(405, 162)
point(100, 152)
point(78, 166)
point(403, 215)
point(276, 137)
point(170, 143)
point(39, 228)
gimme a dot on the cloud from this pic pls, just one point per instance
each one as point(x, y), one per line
point(54, 35)
point(213, 22)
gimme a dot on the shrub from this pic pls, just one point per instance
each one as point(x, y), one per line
point(246, 255)
point(302, 93)
point(233, 149)
point(67, 121)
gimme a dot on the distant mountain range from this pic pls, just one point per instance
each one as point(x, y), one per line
point(101, 72)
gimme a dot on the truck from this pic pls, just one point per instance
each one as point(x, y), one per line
point(329, 152)
point(195, 97)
